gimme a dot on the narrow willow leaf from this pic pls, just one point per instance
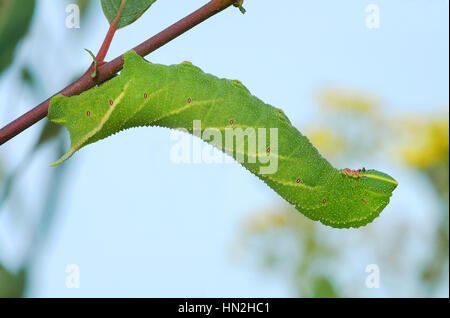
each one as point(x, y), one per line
point(175, 96)
point(130, 10)
point(15, 18)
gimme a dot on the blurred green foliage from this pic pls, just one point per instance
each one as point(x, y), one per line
point(84, 6)
point(15, 18)
point(11, 285)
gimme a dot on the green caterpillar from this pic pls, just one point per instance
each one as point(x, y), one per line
point(176, 96)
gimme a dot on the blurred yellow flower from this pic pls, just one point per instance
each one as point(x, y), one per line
point(347, 100)
point(326, 141)
point(428, 142)
point(265, 221)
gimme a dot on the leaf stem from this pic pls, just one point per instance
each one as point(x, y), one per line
point(107, 70)
point(109, 36)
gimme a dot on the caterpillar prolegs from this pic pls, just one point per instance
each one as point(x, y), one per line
point(175, 96)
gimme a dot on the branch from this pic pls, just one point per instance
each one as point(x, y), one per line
point(106, 71)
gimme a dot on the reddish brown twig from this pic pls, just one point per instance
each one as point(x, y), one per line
point(109, 36)
point(105, 72)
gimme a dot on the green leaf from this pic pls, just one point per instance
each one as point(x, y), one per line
point(178, 96)
point(11, 285)
point(15, 18)
point(128, 10)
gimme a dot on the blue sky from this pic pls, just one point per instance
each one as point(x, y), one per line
point(139, 225)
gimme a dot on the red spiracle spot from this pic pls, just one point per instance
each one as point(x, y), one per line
point(145, 95)
point(299, 180)
point(231, 122)
point(88, 113)
point(111, 102)
point(268, 149)
point(364, 200)
point(324, 201)
point(189, 100)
